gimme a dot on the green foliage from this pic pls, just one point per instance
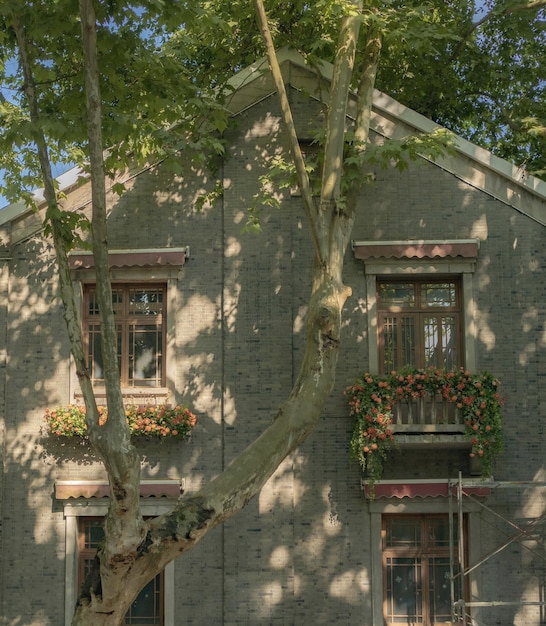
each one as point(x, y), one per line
point(400, 152)
point(153, 108)
point(480, 74)
point(149, 421)
point(165, 67)
point(372, 399)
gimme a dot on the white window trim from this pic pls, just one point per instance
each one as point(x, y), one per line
point(419, 506)
point(379, 268)
point(75, 510)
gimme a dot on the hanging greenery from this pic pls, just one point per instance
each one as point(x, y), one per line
point(372, 399)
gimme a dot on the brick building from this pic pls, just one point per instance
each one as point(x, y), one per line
point(312, 548)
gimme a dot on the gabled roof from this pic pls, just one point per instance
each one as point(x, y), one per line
point(390, 119)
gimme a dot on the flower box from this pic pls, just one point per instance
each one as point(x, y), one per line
point(159, 421)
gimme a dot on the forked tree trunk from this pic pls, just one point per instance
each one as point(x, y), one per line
point(135, 551)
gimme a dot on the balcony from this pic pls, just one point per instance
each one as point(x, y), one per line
point(428, 420)
point(416, 408)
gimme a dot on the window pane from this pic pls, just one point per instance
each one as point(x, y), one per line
point(439, 589)
point(408, 341)
point(390, 344)
point(431, 337)
point(449, 342)
point(145, 350)
point(94, 355)
point(146, 609)
point(438, 532)
point(396, 295)
point(417, 569)
point(145, 301)
point(93, 306)
point(404, 593)
point(410, 335)
point(440, 342)
point(140, 347)
point(438, 295)
point(404, 531)
point(398, 342)
point(93, 532)
point(94, 362)
point(117, 302)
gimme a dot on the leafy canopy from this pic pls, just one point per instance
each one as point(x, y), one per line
point(477, 70)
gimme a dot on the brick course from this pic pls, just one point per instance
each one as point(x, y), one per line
point(300, 552)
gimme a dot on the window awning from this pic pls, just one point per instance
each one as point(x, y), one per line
point(465, 248)
point(65, 489)
point(153, 257)
point(424, 488)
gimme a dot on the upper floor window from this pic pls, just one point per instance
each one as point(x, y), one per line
point(140, 314)
point(419, 322)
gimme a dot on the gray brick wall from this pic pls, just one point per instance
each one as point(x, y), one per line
point(300, 552)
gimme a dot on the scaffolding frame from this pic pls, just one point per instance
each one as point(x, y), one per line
point(456, 488)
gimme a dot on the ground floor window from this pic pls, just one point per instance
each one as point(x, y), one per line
point(147, 609)
point(419, 559)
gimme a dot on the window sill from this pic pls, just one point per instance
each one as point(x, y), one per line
point(133, 395)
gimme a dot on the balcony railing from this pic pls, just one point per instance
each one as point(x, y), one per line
point(428, 414)
point(424, 407)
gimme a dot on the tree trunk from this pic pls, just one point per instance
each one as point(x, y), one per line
point(178, 531)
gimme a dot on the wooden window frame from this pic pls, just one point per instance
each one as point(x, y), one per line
point(125, 320)
point(423, 552)
point(86, 553)
point(418, 312)
point(81, 507)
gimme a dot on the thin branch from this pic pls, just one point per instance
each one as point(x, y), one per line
point(532, 5)
point(70, 308)
point(366, 86)
point(124, 523)
point(295, 149)
point(337, 110)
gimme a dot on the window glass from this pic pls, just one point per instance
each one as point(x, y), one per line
point(417, 569)
point(399, 295)
point(438, 294)
point(419, 324)
point(141, 355)
point(147, 609)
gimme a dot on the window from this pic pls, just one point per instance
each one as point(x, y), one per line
point(147, 609)
point(419, 323)
point(140, 316)
point(417, 566)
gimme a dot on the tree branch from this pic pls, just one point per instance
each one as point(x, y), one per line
point(59, 236)
point(125, 527)
point(366, 86)
point(532, 5)
point(295, 149)
point(337, 108)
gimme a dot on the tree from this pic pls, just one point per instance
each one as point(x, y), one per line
point(354, 34)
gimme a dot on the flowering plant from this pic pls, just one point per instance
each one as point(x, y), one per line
point(371, 400)
point(154, 421)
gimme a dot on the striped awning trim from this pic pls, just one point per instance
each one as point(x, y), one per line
point(65, 489)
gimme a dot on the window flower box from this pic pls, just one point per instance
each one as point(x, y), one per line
point(161, 421)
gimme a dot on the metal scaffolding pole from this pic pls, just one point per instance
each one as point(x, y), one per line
point(459, 606)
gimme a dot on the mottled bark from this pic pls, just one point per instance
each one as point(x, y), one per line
point(124, 526)
point(178, 531)
point(53, 218)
